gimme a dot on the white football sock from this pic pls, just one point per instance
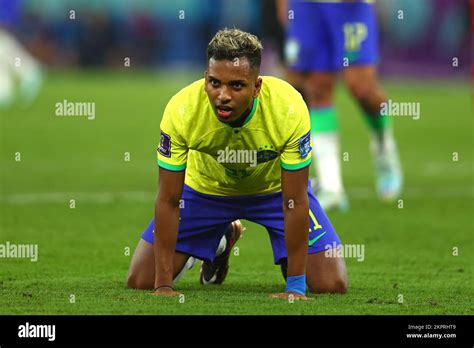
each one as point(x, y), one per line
point(382, 142)
point(327, 159)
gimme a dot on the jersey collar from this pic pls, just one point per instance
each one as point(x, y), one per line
point(254, 108)
point(249, 117)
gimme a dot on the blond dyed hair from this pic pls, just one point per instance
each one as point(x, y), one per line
point(229, 44)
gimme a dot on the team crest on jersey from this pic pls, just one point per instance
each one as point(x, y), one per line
point(165, 145)
point(305, 145)
point(266, 153)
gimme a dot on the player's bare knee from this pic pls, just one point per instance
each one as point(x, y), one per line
point(336, 285)
point(139, 280)
point(132, 281)
point(340, 285)
point(135, 281)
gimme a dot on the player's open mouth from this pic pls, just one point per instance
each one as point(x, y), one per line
point(224, 111)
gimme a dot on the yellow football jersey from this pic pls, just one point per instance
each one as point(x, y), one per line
point(232, 161)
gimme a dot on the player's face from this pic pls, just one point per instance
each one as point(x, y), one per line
point(231, 87)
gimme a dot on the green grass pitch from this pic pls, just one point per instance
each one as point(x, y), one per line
point(409, 266)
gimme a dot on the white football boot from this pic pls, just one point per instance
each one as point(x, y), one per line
point(388, 172)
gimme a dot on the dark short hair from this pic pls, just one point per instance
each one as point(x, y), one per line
point(229, 44)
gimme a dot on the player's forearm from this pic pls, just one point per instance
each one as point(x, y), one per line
point(166, 223)
point(296, 234)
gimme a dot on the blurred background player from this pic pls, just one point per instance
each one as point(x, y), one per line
point(20, 73)
point(322, 39)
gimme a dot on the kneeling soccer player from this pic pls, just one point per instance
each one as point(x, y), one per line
point(235, 145)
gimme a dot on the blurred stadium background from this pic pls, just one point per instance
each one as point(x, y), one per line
point(107, 165)
point(156, 33)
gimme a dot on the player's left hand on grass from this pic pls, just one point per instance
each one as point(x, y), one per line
point(290, 295)
point(166, 291)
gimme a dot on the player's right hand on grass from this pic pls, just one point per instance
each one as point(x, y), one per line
point(290, 295)
point(166, 291)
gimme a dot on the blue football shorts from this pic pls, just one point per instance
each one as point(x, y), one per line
point(204, 219)
point(330, 36)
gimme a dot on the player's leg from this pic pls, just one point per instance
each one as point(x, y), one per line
point(363, 83)
point(309, 50)
point(215, 272)
point(141, 274)
point(298, 46)
point(325, 138)
point(324, 274)
point(198, 238)
point(325, 269)
point(360, 75)
point(298, 80)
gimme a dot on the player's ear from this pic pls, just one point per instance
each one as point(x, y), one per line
point(258, 86)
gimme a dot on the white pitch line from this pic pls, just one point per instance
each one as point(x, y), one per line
point(442, 169)
point(87, 197)
point(415, 193)
point(357, 193)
